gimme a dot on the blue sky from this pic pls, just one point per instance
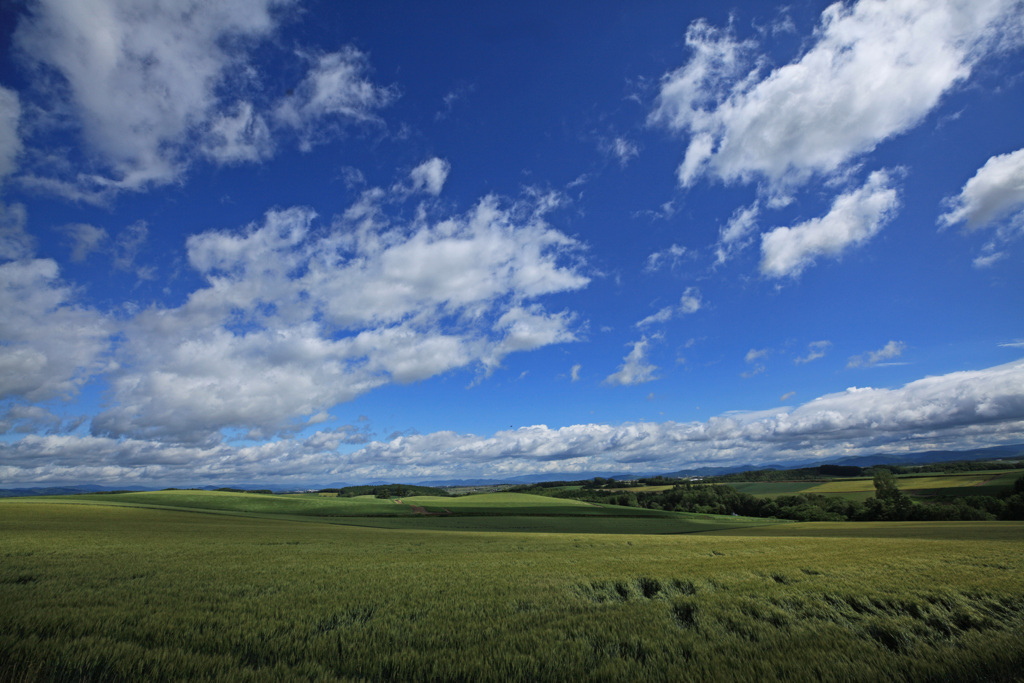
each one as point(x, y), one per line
point(309, 242)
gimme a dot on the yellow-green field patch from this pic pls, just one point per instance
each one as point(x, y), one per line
point(905, 483)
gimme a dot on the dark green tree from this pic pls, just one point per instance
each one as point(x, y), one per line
point(885, 485)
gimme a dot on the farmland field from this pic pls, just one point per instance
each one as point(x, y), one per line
point(117, 592)
point(985, 483)
point(772, 489)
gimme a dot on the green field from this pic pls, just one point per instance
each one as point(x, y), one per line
point(772, 489)
point(922, 486)
point(99, 588)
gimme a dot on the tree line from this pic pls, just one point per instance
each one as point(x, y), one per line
point(888, 503)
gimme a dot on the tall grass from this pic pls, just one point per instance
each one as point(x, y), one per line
point(128, 594)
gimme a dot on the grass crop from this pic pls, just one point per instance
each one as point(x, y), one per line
point(120, 593)
point(311, 505)
point(907, 483)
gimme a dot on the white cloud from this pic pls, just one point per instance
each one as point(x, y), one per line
point(240, 137)
point(689, 302)
point(855, 217)
point(634, 369)
point(663, 315)
point(751, 359)
point(85, 239)
point(127, 247)
point(815, 350)
point(15, 243)
point(10, 139)
point(143, 78)
point(866, 360)
point(954, 411)
point(736, 234)
point(624, 150)
point(670, 257)
point(49, 346)
point(995, 191)
point(574, 373)
point(874, 71)
point(530, 328)
point(987, 260)
point(294, 319)
point(430, 176)
point(335, 88)
point(754, 354)
point(154, 86)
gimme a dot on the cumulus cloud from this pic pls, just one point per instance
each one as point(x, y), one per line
point(49, 345)
point(958, 410)
point(815, 350)
point(866, 360)
point(574, 373)
point(874, 70)
point(634, 369)
point(10, 139)
point(993, 193)
point(691, 301)
point(28, 419)
point(294, 319)
point(155, 86)
point(855, 217)
point(430, 176)
point(142, 78)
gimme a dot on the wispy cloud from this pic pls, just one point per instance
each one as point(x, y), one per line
point(690, 302)
point(666, 257)
point(815, 350)
point(866, 360)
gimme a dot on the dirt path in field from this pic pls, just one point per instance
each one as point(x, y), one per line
point(420, 510)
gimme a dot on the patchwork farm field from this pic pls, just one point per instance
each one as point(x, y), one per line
point(984, 483)
point(102, 588)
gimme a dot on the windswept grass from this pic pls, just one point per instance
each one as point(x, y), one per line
point(96, 592)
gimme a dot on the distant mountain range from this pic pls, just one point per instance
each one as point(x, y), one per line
point(922, 458)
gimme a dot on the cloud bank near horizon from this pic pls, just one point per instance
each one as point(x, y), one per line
point(959, 410)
